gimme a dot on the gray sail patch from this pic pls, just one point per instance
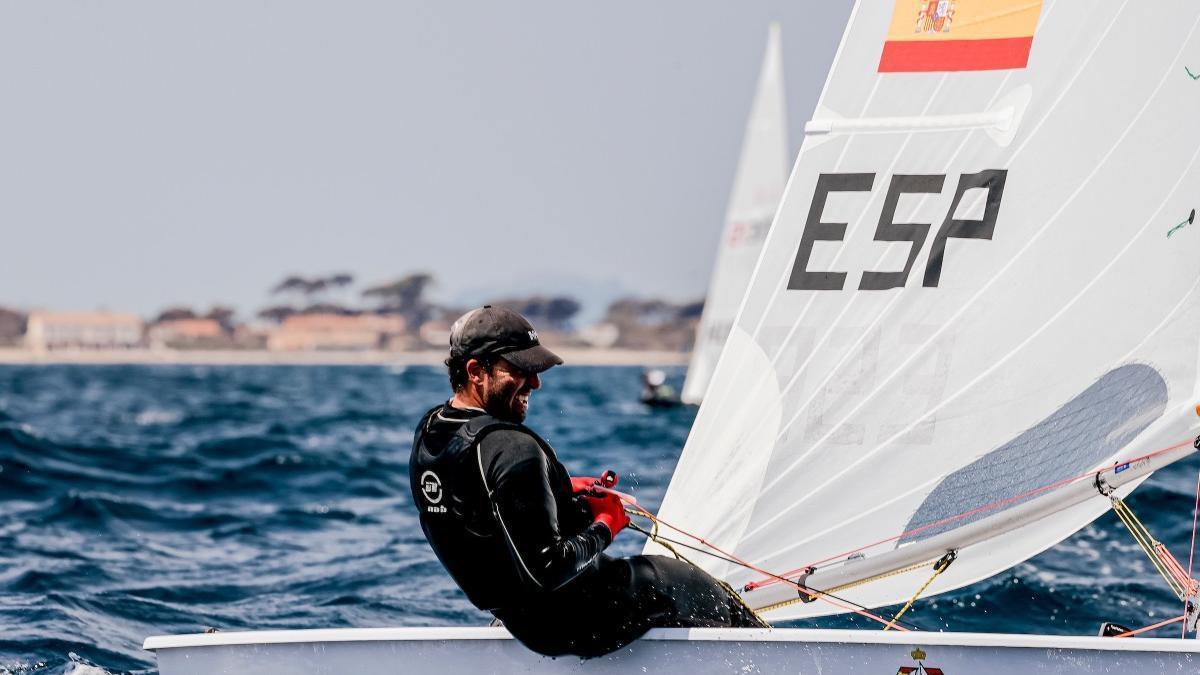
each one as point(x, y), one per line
point(1085, 431)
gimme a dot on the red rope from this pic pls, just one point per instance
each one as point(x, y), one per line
point(1185, 581)
point(748, 565)
point(1160, 624)
point(949, 519)
point(1192, 551)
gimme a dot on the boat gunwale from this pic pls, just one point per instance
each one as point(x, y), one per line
point(811, 635)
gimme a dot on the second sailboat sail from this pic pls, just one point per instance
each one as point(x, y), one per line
point(757, 188)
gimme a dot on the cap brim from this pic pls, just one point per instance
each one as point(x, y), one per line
point(534, 359)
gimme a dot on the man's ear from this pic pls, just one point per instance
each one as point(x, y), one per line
point(476, 370)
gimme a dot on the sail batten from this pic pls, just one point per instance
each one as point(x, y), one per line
point(1000, 120)
point(948, 312)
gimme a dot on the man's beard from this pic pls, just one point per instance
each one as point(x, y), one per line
point(502, 404)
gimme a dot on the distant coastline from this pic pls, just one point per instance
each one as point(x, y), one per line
point(255, 357)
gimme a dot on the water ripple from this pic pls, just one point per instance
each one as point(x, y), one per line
point(146, 500)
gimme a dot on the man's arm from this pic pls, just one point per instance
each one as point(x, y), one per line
point(517, 476)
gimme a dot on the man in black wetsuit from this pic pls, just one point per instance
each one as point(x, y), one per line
point(499, 510)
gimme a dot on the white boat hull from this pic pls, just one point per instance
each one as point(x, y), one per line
point(447, 651)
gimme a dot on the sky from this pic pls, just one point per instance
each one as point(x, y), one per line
point(164, 153)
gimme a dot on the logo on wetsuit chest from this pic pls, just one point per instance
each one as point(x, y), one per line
point(431, 487)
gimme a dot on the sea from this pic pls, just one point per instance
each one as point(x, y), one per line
point(150, 500)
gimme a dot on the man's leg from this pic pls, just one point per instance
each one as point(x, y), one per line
point(600, 612)
point(679, 594)
point(620, 601)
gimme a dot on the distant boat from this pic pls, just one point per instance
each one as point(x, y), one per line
point(757, 189)
point(656, 393)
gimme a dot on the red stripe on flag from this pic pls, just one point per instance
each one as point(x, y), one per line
point(909, 56)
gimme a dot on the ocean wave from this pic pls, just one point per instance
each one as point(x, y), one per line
point(158, 417)
point(152, 500)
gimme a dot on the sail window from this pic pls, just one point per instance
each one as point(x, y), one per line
point(1087, 430)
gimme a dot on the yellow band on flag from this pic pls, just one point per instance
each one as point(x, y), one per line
point(948, 35)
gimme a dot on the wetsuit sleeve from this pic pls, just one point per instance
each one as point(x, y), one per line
point(517, 475)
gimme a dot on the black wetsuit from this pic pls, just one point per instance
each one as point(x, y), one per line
point(498, 510)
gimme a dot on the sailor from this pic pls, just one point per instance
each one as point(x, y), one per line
point(655, 390)
point(502, 515)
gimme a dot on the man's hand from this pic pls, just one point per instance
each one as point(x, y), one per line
point(606, 504)
point(596, 487)
point(609, 510)
point(583, 483)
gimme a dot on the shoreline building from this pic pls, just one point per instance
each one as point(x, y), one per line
point(336, 332)
point(55, 331)
point(187, 334)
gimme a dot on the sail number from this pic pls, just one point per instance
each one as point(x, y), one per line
point(815, 230)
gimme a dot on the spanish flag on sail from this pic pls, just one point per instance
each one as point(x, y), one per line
point(946, 35)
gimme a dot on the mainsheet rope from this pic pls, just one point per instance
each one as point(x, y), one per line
point(653, 534)
point(941, 566)
point(669, 544)
point(1160, 624)
point(638, 510)
point(773, 578)
point(1181, 583)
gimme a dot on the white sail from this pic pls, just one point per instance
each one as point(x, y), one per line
point(757, 188)
point(968, 294)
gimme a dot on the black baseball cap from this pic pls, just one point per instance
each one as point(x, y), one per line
point(497, 331)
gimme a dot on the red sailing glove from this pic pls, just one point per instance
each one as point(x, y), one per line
point(605, 503)
point(609, 510)
point(583, 483)
point(596, 486)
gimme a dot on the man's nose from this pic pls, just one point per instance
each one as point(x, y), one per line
point(535, 382)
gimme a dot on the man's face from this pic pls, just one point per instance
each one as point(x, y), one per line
point(507, 391)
